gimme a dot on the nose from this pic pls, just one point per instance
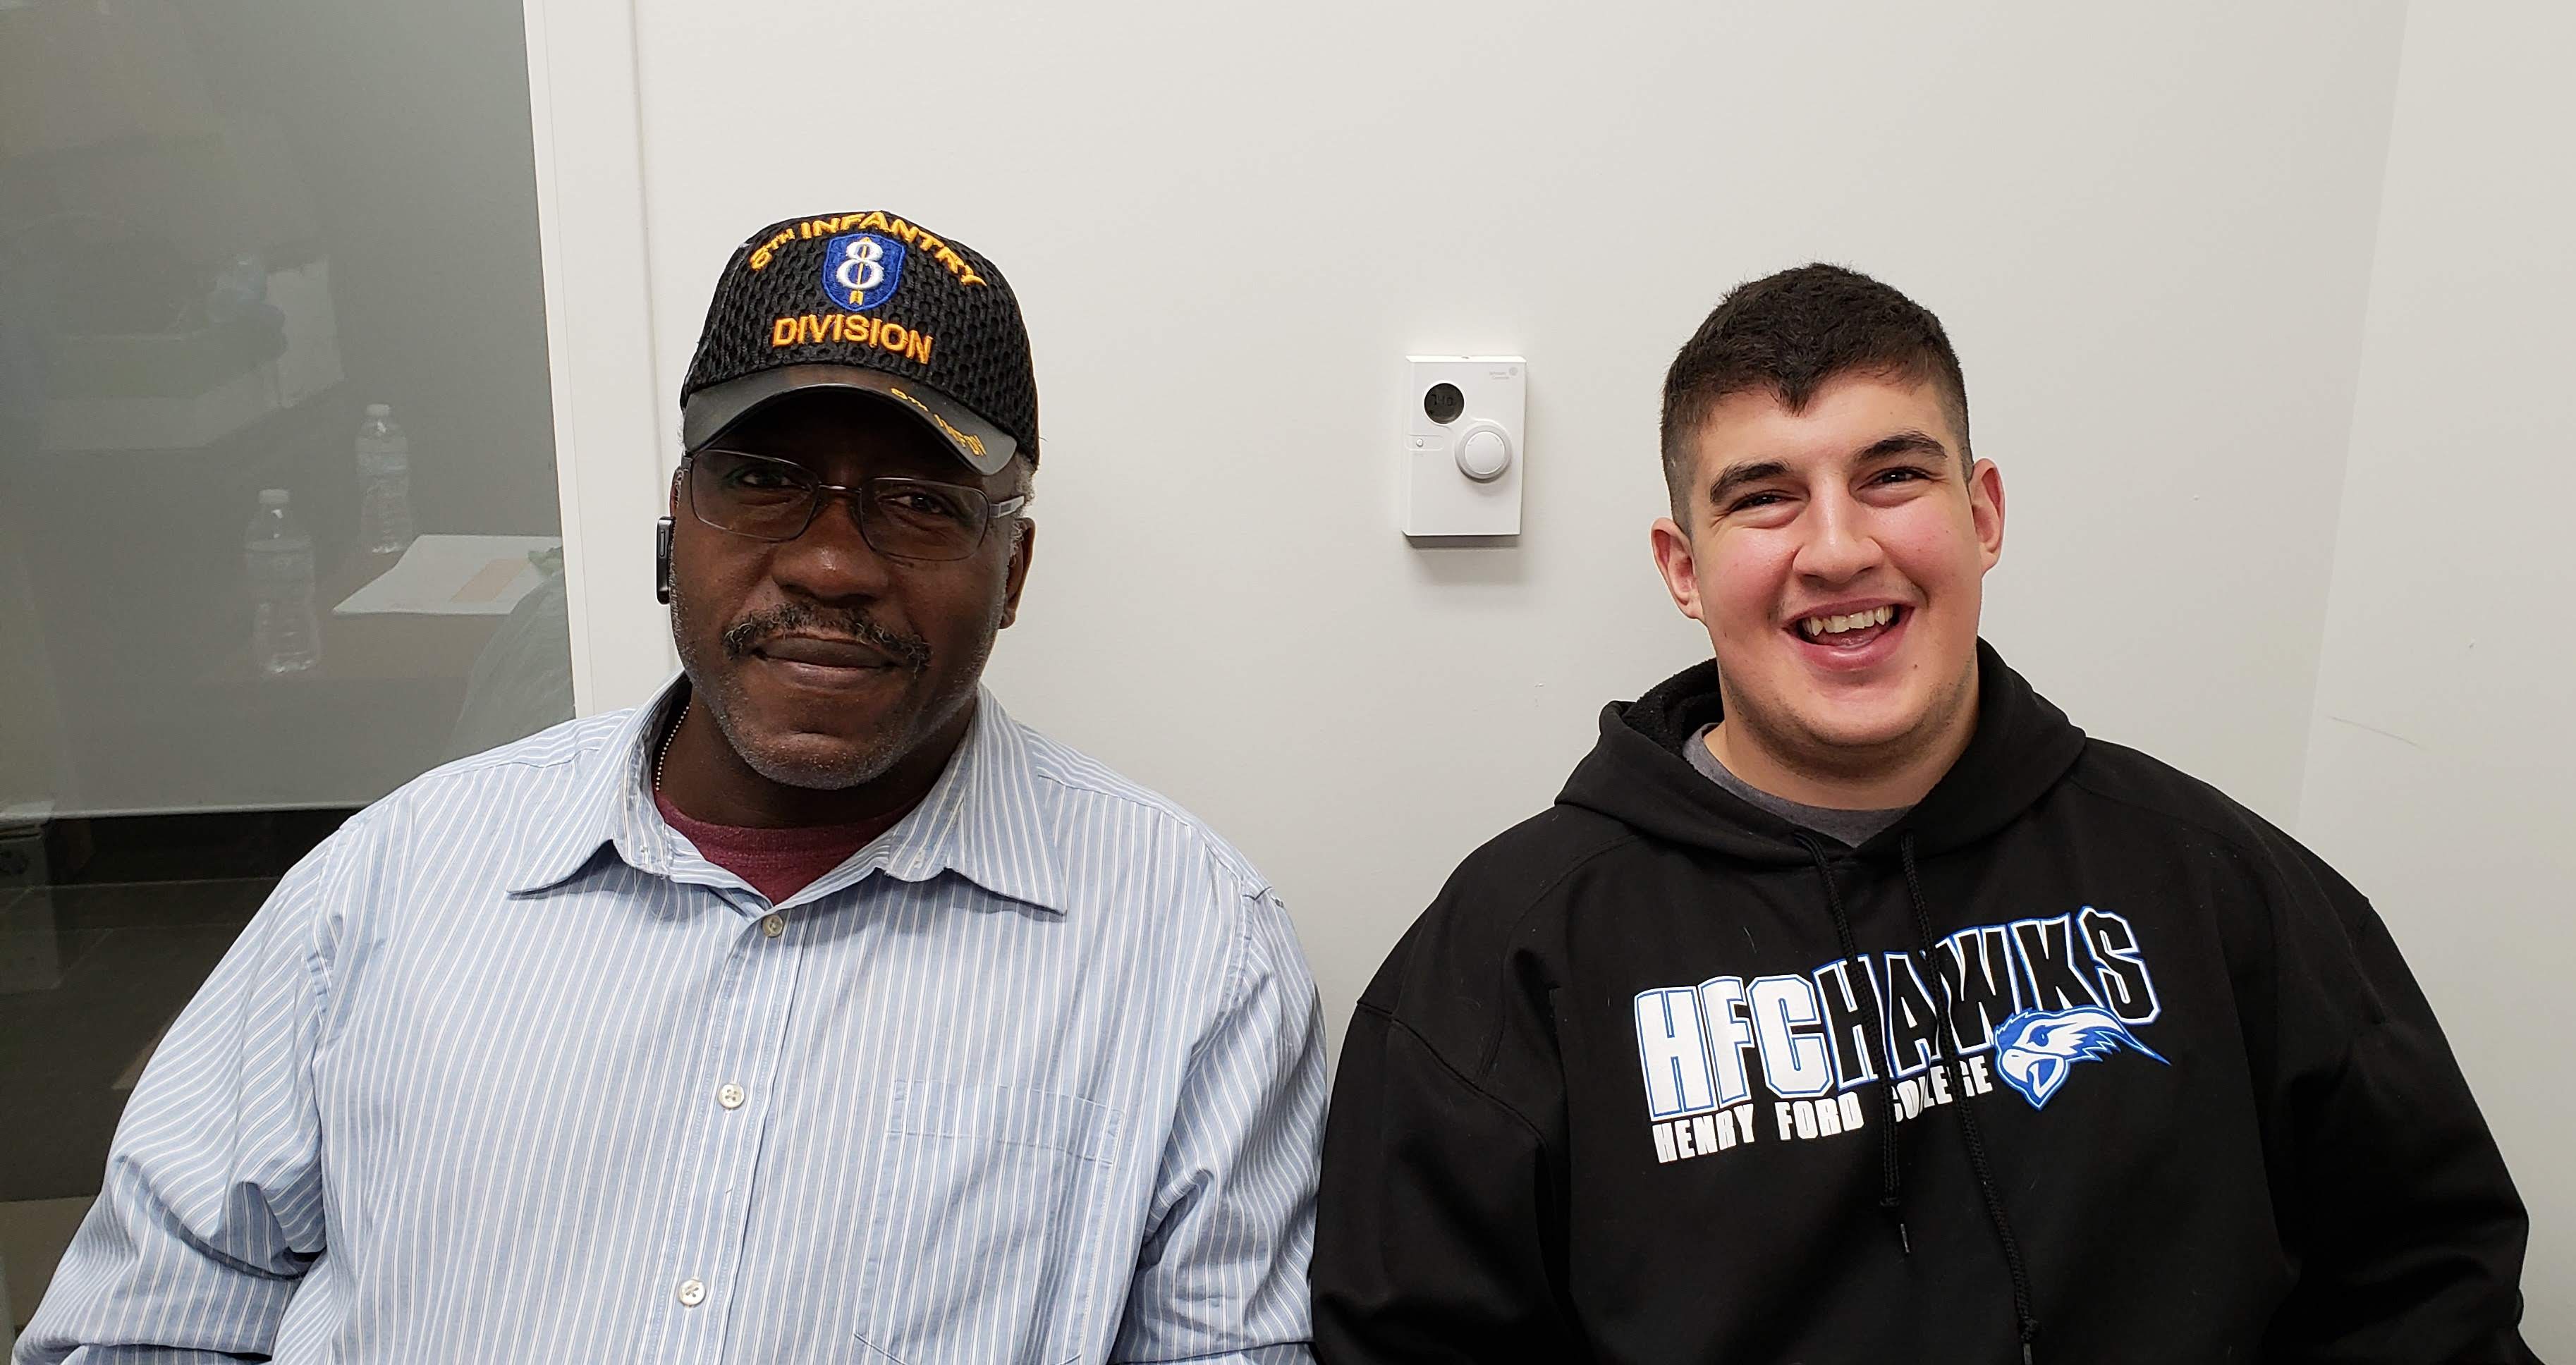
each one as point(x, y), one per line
point(1839, 545)
point(831, 562)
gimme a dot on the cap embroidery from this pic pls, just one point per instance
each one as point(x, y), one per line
point(806, 329)
point(874, 220)
point(970, 442)
point(861, 269)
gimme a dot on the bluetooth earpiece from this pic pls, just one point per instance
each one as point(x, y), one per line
point(662, 561)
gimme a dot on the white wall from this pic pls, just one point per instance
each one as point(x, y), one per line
point(2438, 775)
point(2149, 237)
point(2155, 238)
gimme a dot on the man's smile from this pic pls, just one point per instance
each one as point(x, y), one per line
point(1850, 636)
point(824, 652)
point(826, 664)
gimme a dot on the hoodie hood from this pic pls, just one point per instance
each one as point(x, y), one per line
point(1636, 773)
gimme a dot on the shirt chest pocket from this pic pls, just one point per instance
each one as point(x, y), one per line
point(986, 1241)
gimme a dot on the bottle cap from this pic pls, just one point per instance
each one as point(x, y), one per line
point(272, 497)
point(380, 409)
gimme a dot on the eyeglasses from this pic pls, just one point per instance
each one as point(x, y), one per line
point(775, 500)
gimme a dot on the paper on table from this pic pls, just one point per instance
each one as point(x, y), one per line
point(453, 576)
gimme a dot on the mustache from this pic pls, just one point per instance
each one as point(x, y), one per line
point(747, 634)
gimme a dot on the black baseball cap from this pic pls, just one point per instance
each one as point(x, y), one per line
point(875, 303)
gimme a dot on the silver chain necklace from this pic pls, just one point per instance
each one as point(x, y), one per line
point(665, 758)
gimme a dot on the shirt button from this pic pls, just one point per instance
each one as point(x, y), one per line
point(730, 1096)
point(692, 1293)
point(775, 925)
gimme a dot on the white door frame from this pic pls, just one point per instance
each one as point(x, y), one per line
point(616, 436)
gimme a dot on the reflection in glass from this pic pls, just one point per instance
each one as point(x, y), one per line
point(278, 526)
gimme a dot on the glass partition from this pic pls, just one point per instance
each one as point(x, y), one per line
point(278, 526)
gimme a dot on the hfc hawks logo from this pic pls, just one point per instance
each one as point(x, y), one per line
point(1740, 1059)
point(861, 269)
point(2035, 1049)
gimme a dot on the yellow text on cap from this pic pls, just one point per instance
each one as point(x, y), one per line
point(873, 221)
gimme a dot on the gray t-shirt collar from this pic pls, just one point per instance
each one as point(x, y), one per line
point(1851, 828)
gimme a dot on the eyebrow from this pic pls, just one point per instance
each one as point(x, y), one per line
point(1906, 443)
point(1916, 443)
point(1735, 476)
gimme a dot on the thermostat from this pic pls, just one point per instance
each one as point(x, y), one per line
point(1462, 449)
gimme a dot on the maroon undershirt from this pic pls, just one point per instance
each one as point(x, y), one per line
point(777, 862)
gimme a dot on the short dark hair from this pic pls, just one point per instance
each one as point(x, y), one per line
point(1789, 333)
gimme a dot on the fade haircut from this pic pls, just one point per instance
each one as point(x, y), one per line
point(1789, 333)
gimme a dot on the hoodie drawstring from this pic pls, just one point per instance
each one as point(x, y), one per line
point(1891, 1187)
point(1891, 1178)
point(1971, 1136)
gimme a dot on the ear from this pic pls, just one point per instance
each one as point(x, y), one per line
point(1676, 561)
point(1986, 509)
point(1024, 546)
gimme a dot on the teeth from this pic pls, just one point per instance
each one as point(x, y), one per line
point(1814, 626)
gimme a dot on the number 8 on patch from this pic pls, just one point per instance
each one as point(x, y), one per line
point(861, 269)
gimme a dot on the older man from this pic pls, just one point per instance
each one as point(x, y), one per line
point(815, 1010)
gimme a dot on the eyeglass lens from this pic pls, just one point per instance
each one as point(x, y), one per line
point(772, 499)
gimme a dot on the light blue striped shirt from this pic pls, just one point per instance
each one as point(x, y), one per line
point(506, 1071)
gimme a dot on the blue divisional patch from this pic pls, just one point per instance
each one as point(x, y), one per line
point(861, 269)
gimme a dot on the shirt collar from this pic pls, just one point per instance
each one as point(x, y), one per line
point(983, 818)
point(610, 802)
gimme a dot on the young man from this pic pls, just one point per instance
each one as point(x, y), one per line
point(1852, 1006)
point(815, 1011)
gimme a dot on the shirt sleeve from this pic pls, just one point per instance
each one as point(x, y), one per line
point(2393, 1197)
point(1221, 1275)
point(211, 1208)
point(1438, 1231)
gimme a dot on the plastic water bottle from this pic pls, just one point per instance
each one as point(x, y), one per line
point(284, 636)
point(384, 478)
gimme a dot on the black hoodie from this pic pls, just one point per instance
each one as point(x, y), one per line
point(1623, 1092)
